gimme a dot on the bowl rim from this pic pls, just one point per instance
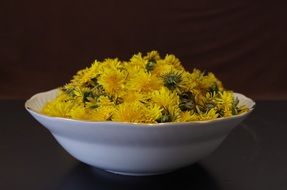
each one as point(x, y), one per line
point(39, 114)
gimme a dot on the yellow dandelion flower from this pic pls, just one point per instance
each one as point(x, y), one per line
point(80, 112)
point(164, 98)
point(195, 77)
point(198, 96)
point(132, 96)
point(129, 112)
point(171, 113)
point(100, 101)
point(112, 80)
point(211, 114)
point(69, 89)
point(209, 80)
point(112, 64)
point(187, 116)
point(172, 60)
point(144, 82)
point(81, 77)
point(103, 113)
point(84, 76)
point(133, 71)
point(99, 114)
point(79, 92)
point(225, 102)
point(188, 83)
point(152, 113)
point(203, 99)
point(105, 101)
point(153, 55)
point(59, 107)
point(138, 61)
point(160, 68)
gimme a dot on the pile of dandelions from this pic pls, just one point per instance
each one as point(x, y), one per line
point(145, 89)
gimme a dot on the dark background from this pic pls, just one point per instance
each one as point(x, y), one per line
point(43, 43)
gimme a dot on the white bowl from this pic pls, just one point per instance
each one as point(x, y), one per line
point(136, 149)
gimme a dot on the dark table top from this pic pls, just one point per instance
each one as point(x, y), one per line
point(253, 156)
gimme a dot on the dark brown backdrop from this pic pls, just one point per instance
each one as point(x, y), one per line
point(43, 43)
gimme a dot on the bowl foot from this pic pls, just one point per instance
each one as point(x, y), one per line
point(137, 174)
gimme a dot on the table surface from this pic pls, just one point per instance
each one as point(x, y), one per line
point(253, 156)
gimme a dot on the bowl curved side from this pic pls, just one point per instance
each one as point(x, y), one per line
point(135, 148)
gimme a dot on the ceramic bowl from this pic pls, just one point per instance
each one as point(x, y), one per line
point(132, 148)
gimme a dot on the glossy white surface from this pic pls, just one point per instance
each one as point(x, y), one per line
point(136, 149)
